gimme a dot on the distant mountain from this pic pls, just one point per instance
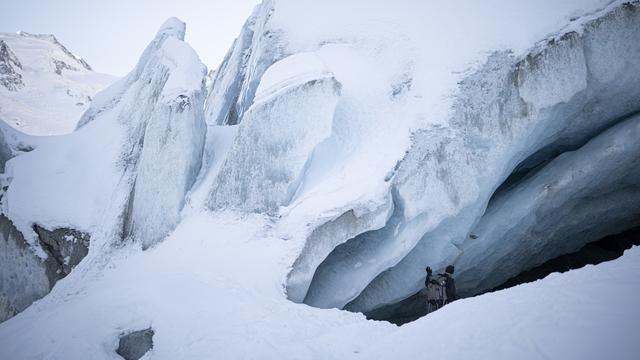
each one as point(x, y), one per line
point(44, 88)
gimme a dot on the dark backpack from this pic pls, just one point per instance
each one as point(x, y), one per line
point(437, 289)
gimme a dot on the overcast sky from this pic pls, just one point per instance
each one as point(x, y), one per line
point(110, 35)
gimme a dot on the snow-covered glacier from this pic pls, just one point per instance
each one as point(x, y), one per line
point(325, 166)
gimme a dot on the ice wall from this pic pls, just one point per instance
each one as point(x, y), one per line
point(233, 89)
point(172, 148)
point(292, 113)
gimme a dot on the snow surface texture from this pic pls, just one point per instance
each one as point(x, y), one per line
point(44, 88)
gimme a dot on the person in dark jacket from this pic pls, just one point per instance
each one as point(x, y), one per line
point(450, 284)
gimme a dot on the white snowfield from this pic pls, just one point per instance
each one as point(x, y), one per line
point(53, 88)
point(214, 289)
point(341, 148)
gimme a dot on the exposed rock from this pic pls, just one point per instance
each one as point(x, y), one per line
point(65, 249)
point(134, 345)
point(9, 77)
point(26, 277)
point(23, 275)
point(61, 65)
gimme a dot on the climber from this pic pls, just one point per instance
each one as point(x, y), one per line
point(440, 289)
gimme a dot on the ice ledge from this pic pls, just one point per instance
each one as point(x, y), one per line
point(291, 71)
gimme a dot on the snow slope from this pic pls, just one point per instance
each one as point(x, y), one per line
point(50, 86)
point(214, 288)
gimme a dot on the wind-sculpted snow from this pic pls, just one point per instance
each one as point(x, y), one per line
point(276, 140)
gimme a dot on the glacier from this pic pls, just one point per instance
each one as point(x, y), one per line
point(319, 169)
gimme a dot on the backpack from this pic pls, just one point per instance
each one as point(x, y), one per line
point(436, 290)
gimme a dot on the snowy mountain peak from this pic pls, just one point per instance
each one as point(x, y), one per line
point(53, 40)
point(44, 88)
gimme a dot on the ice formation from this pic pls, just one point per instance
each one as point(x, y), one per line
point(292, 114)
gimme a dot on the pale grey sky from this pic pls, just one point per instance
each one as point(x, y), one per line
point(110, 35)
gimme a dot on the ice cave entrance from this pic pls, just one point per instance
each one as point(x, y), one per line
point(606, 249)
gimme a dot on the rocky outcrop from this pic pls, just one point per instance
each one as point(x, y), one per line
point(25, 276)
point(133, 345)
point(10, 78)
point(65, 249)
